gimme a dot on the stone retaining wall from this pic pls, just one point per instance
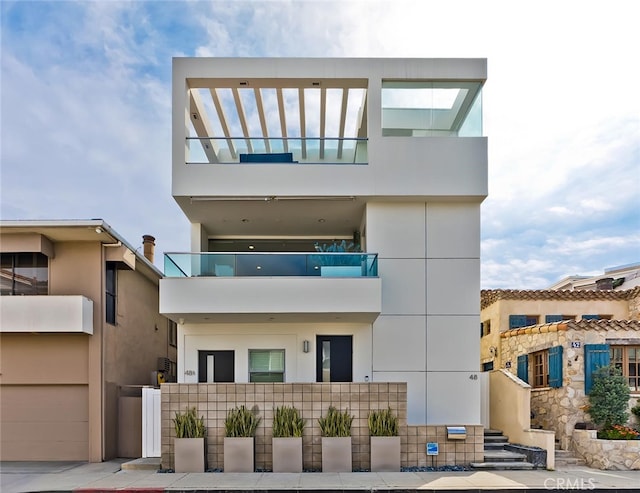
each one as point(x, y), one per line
point(312, 400)
point(620, 455)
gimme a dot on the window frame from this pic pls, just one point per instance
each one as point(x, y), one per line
point(41, 287)
point(623, 363)
point(172, 333)
point(514, 322)
point(486, 327)
point(111, 293)
point(270, 372)
point(540, 369)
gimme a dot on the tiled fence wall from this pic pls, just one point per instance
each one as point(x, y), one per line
point(312, 400)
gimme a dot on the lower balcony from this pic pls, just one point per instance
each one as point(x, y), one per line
point(41, 314)
point(221, 287)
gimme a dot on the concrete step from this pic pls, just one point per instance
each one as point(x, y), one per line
point(502, 466)
point(503, 456)
point(494, 445)
point(496, 439)
point(489, 431)
point(143, 464)
point(567, 458)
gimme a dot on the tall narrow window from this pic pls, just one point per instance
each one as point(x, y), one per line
point(110, 293)
point(172, 332)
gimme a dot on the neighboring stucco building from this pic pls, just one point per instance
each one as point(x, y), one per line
point(554, 340)
point(274, 158)
point(79, 324)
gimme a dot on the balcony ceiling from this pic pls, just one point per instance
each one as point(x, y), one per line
point(268, 216)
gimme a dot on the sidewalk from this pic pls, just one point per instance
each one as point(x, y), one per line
point(22, 477)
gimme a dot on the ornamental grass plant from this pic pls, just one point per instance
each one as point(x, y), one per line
point(383, 423)
point(241, 422)
point(188, 425)
point(287, 422)
point(336, 423)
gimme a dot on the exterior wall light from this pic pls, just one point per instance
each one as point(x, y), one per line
point(306, 346)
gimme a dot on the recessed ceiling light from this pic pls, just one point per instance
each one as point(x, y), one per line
point(321, 220)
point(251, 247)
point(245, 220)
point(258, 267)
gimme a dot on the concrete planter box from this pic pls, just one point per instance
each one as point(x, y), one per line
point(336, 454)
point(287, 454)
point(188, 454)
point(238, 454)
point(385, 454)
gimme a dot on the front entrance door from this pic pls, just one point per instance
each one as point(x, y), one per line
point(215, 366)
point(334, 359)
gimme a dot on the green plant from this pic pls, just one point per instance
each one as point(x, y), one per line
point(383, 423)
point(336, 423)
point(287, 422)
point(609, 397)
point(618, 432)
point(338, 248)
point(636, 410)
point(188, 425)
point(241, 422)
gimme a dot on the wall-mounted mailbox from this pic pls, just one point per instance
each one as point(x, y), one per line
point(456, 432)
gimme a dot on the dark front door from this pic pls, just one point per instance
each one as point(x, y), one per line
point(215, 366)
point(334, 359)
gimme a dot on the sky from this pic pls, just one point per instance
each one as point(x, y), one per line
point(85, 100)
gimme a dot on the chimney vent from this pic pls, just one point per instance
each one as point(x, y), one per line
point(604, 284)
point(149, 246)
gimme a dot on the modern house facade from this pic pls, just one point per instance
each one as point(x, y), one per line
point(554, 340)
point(335, 225)
point(79, 329)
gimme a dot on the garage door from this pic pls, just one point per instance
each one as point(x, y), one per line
point(44, 422)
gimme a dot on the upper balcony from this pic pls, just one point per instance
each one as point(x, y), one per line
point(46, 314)
point(271, 287)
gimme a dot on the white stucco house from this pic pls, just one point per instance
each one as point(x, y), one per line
point(275, 161)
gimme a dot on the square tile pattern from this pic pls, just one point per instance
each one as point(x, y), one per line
point(312, 400)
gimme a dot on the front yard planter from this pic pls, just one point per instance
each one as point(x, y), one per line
point(188, 454)
point(239, 454)
point(336, 454)
point(287, 454)
point(239, 442)
point(385, 454)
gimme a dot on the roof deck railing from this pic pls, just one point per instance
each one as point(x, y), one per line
point(283, 150)
point(233, 264)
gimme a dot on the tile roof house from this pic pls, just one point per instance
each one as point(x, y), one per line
point(554, 341)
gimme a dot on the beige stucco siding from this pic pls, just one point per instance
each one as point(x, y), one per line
point(44, 422)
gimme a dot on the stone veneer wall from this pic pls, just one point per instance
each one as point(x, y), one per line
point(621, 455)
point(312, 400)
point(559, 409)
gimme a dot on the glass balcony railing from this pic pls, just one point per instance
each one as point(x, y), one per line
point(270, 264)
point(289, 150)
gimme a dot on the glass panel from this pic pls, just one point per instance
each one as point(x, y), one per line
point(431, 108)
point(25, 274)
point(326, 361)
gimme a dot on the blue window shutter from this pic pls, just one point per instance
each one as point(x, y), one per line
point(555, 366)
point(595, 356)
point(523, 367)
point(590, 317)
point(516, 321)
point(549, 319)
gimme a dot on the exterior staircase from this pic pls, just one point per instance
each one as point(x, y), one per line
point(565, 459)
point(496, 457)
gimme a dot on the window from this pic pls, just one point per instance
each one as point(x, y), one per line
point(516, 321)
point(540, 361)
point(546, 368)
point(549, 319)
point(627, 360)
point(24, 274)
point(423, 108)
point(172, 332)
point(487, 366)
point(266, 365)
point(486, 327)
point(596, 317)
point(110, 293)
